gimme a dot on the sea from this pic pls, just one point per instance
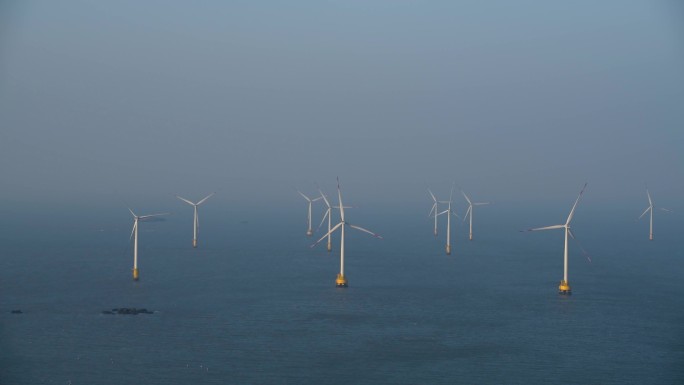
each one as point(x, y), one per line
point(255, 304)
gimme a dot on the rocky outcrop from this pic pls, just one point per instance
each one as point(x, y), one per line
point(127, 310)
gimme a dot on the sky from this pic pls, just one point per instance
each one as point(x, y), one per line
point(517, 102)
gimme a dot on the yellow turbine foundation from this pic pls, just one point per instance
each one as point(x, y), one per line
point(564, 288)
point(341, 281)
point(135, 274)
point(448, 249)
point(329, 246)
point(194, 243)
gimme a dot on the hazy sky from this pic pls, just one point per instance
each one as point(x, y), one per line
point(516, 101)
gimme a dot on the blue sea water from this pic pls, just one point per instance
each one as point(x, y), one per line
point(255, 305)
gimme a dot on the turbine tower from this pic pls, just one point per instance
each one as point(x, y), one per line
point(470, 212)
point(433, 209)
point(309, 231)
point(650, 208)
point(195, 225)
point(341, 280)
point(328, 214)
point(448, 213)
point(564, 287)
point(134, 235)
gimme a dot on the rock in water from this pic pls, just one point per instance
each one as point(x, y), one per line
point(128, 310)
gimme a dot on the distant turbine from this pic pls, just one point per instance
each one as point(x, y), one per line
point(470, 212)
point(433, 209)
point(328, 213)
point(134, 235)
point(564, 287)
point(449, 213)
point(309, 231)
point(341, 280)
point(650, 208)
point(195, 225)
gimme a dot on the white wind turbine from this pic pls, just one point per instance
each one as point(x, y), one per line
point(328, 214)
point(650, 208)
point(134, 235)
point(433, 209)
point(564, 287)
point(341, 280)
point(309, 231)
point(470, 212)
point(448, 213)
point(195, 224)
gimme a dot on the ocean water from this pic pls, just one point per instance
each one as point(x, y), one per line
point(254, 304)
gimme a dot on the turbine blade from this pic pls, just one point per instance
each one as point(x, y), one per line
point(152, 215)
point(365, 231)
point(325, 199)
point(433, 209)
point(443, 212)
point(327, 212)
point(467, 213)
point(205, 198)
point(132, 213)
point(584, 252)
point(668, 210)
point(305, 197)
point(451, 194)
point(645, 211)
point(316, 199)
point(337, 226)
point(133, 231)
point(432, 195)
point(339, 198)
point(185, 200)
point(466, 197)
point(572, 212)
point(650, 202)
point(547, 228)
point(480, 203)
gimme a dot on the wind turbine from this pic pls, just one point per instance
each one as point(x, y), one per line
point(134, 235)
point(470, 212)
point(650, 208)
point(448, 213)
point(564, 287)
point(309, 231)
point(341, 280)
point(433, 209)
point(195, 224)
point(328, 213)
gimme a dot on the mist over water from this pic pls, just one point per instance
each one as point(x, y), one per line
point(520, 103)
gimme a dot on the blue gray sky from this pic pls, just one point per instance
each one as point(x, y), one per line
point(517, 102)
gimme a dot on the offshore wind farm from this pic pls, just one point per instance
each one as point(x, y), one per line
point(344, 137)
